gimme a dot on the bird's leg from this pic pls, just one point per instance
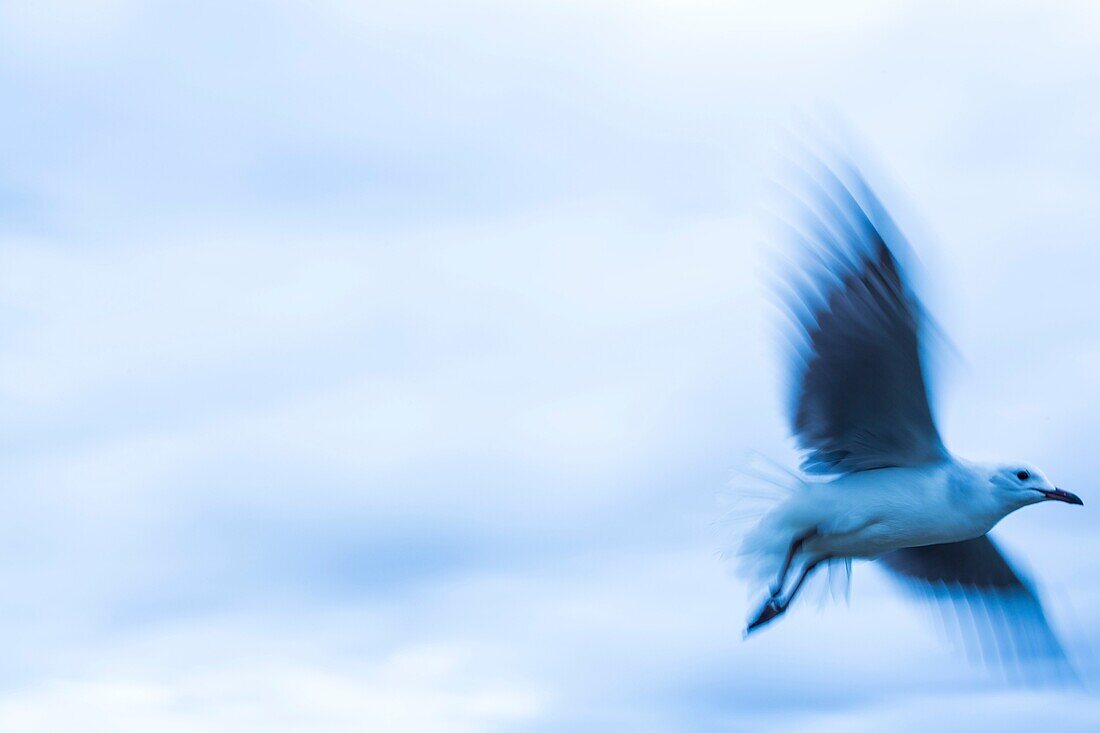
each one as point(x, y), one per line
point(774, 606)
point(781, 578)
point(806, 570)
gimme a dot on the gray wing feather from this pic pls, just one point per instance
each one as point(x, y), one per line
point(859, 397)
point(994, 607)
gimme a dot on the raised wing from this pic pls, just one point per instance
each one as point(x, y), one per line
point(991, 605)
point(858, 398)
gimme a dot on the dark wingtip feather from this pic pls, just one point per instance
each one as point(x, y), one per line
point(986, 605)
point(854, 328)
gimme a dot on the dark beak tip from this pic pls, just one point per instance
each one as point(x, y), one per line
point(1064, 496)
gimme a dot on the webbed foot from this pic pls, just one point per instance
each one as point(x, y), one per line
point(771, 608)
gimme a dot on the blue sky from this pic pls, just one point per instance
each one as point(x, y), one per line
point(382, 366)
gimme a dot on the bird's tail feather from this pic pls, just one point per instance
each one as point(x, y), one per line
point(756, 534)
point(748, 511)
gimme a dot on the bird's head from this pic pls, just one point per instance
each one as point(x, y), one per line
point(1016, 485)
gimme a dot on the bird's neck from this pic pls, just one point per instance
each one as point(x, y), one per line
point(969, 482)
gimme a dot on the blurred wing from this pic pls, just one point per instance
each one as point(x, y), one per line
point(993, 607)
point(859, 399)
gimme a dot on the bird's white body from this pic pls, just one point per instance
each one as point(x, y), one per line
point(869, 513)
point(861, 413)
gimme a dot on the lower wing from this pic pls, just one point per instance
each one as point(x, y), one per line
point(992, 605)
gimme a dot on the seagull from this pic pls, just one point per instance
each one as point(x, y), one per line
point(877, 481)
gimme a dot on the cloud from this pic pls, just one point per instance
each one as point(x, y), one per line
point(419, 689)
point(378, 368)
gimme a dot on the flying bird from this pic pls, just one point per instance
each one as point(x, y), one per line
point(877, 481)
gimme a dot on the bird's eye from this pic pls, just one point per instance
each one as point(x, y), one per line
point(1023, 475)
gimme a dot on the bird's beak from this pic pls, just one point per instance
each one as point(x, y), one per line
point(1059, 495)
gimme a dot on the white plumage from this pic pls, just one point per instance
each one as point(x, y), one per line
point(869, 513)
point(859, 409)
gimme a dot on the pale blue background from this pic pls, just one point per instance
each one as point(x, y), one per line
point(380, 366)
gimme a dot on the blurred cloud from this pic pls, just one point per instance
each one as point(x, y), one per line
point(378, 366)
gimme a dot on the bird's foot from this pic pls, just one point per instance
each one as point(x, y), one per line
point(771, 608)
